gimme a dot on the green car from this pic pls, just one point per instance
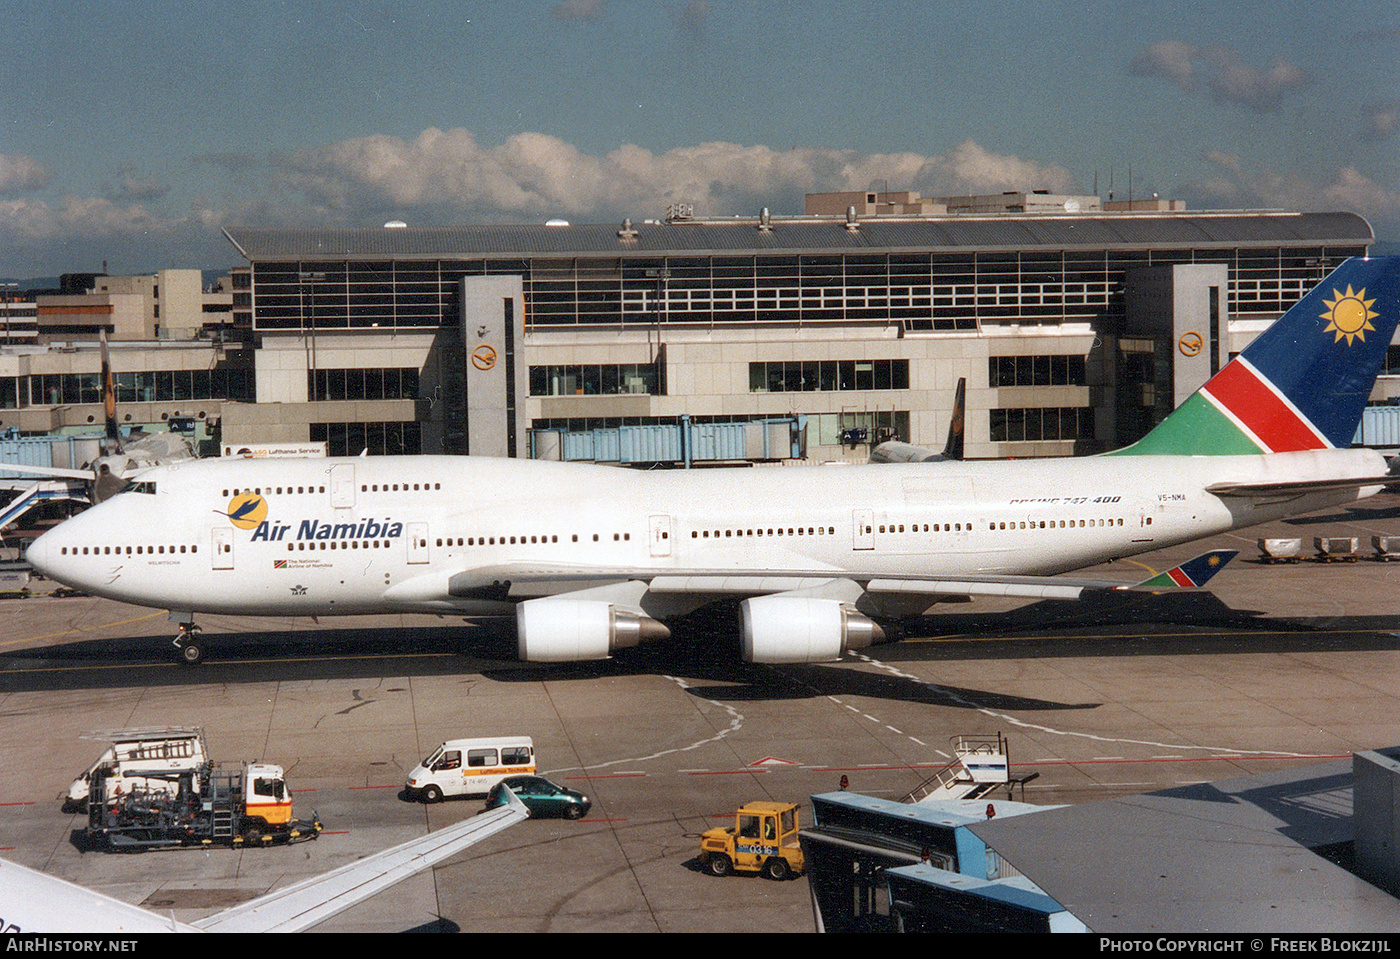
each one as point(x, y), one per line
point(541, 797)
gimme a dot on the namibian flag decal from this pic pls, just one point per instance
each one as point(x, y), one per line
point(279, 564)
point(1192, 573)
point(1258, 408)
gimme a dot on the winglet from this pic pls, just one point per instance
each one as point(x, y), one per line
point(1191, 574)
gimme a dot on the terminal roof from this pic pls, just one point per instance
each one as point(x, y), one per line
point(810, 235)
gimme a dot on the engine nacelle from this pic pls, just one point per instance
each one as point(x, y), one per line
point(799, 629)
point(553, 630)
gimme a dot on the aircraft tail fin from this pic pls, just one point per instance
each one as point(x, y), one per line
point(953, 449)
point(112, 442)
point(1191, 574)
point(1303, 382)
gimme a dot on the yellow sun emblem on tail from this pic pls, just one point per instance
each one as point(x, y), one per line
point(1349, 315)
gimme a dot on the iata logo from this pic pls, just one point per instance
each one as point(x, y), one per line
point(247, 510)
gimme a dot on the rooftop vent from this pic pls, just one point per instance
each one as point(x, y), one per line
point(395, 225)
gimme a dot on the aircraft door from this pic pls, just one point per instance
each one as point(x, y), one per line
point(660, 536)
point(342, 486)
point(417, 542)
point(223, 548)
point(863, 524)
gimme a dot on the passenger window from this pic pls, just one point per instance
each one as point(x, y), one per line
point(478, 758)
point(515, 756)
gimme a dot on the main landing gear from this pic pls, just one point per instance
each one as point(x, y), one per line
point(190, 644)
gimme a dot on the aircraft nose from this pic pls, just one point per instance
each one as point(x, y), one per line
point(40, 552)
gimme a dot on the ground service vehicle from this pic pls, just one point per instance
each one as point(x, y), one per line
point(247, 805)
point(541, 797)
point(470, 767)
point(133, 753)
point(763, 839)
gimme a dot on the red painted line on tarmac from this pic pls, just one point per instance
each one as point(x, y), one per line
point(733, 772)
point(1176, 759)
point(394, 786)
point(30, 803)
point(335, 832)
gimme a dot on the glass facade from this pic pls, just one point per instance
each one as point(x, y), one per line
point(828, 376)
point(1036, 371)
point(1048, 423)
point(395, 383)
point(378, 439)
point(919, 290)
point(54, 389)
point(595, 379)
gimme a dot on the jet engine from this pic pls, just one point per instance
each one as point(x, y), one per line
point(553, 630)
point(799, 629)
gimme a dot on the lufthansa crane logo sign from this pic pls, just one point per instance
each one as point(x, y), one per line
point(1190, 343)
point(483, 357)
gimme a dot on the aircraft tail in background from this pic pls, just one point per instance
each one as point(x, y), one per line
point(1303, 382)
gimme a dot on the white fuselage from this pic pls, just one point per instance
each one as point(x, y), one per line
point(439, 533)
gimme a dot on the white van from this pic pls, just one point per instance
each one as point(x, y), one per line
point(164, 749)
point(470, 767)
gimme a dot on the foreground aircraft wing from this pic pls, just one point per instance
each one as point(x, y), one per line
point(52, 472)
point(1193, 573)
point(34, 902)
point(315, 900)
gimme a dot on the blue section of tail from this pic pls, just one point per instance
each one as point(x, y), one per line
point(1324, 354)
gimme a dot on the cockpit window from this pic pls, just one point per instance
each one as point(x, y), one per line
point(146, 487)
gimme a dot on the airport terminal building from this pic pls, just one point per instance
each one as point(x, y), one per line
point(1074, 330)
point(1076, 324)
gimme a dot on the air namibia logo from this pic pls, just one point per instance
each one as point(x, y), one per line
point(1349, 315)
point(247, 510)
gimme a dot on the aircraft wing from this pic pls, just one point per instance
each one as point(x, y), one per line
point(315, 900)
point(498, 581)
point(53, 472)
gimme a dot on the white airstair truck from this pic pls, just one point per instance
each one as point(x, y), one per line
point(981, 765)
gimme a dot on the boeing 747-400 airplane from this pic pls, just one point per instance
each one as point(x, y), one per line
point(590, 559)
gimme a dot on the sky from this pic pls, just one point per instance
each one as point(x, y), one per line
point(131, 135)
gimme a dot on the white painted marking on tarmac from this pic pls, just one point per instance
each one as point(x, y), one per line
point(1052, 731)
point(736, 722)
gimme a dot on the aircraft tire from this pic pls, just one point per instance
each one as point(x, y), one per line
point(192, 652)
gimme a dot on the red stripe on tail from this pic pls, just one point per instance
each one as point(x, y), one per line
point(1251, 400)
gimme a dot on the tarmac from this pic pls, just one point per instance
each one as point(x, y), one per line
point(1272, 667)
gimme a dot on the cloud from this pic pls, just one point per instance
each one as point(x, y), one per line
point(1380, 121)
point(19, 173)
point(448, 173)
point(1220, 71)
point(1348, 189)
point(132, 186)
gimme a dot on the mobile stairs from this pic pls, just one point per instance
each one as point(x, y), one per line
point(981, 765)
